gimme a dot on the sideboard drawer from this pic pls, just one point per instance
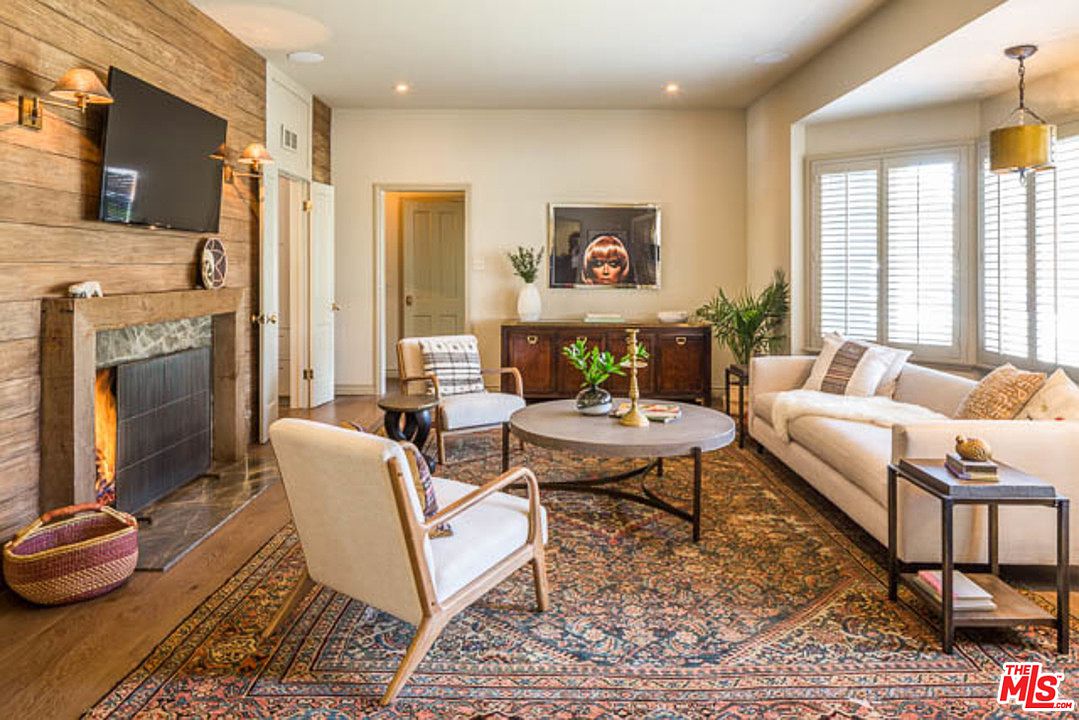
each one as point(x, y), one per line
point(679, 361)
point(534, 354)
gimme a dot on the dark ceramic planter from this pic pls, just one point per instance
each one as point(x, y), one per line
point(593, 400)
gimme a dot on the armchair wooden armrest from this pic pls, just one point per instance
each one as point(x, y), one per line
point(510, 477)
point(428, 378)
point(518, 382)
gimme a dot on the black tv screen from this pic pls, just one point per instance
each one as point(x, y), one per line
point(157, 168)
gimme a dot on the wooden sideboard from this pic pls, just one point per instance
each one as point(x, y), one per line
point(679, 367)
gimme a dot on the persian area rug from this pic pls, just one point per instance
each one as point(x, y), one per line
point(780, 611)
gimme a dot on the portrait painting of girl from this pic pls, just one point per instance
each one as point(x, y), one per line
point(603, 246)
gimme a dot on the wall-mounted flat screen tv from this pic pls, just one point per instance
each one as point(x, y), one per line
point(157, 168)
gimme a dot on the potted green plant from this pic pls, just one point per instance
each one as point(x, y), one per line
point(749, 325)
point(526, 265)
point(596, 366)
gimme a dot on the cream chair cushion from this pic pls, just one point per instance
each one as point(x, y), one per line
point(478, 409)
point(762, 405)
point(482, 536)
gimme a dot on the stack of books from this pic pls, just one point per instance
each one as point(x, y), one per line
point(602, 318)
point(656, 412)
point(978, 470)
point(967, 595)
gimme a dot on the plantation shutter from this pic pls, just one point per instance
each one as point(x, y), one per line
point(1056, 258)
point(922, 233)
point(846, 229)
point(1005, 311)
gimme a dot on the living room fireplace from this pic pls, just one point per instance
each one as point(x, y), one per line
point(179, 408)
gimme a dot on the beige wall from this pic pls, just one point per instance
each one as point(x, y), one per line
point(889, 36)
point(515, 162)
point(936, 125)
point(1055, 97)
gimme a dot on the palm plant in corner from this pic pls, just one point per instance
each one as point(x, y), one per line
point(526, 265)
point(749, 324)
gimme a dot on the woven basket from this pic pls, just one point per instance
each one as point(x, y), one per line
point(72, 553)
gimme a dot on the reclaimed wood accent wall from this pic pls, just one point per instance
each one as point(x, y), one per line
point(320, 142)
point(49, 188)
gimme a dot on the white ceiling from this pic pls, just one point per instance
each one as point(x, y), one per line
point(539, 53)
point(969, 64)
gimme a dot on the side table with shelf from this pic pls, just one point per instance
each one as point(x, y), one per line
point(737, 375)
point(1011, 488)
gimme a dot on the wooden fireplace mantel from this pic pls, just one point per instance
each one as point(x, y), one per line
point(69, 364)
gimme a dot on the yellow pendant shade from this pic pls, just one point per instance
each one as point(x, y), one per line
point(1021, 147)
point(82, 87)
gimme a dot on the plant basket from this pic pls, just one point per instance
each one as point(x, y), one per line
point(72, 553)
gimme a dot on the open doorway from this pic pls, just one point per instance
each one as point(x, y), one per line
point(424, 274)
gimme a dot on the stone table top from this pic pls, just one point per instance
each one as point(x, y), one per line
point(558, 425)
point(407, 403)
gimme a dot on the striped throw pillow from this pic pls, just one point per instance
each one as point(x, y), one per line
point(455, 362)
point(849, 367)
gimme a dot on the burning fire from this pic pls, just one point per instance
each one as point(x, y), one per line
point(105, 436)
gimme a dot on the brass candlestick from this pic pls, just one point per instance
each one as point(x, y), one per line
point(634, 418)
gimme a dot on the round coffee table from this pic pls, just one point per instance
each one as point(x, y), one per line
point(558, 426)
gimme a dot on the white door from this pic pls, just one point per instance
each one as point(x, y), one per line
point(297, 222)
point(268, 301)
point(433, 268)
point(322, 306)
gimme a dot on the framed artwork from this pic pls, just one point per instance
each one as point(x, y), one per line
point(603, 246)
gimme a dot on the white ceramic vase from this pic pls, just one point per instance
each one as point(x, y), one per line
point(529, 305)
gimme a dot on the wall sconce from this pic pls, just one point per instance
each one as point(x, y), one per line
point(256, 155)
point(78, 88)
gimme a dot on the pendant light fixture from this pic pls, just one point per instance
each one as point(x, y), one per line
point(1025, 146)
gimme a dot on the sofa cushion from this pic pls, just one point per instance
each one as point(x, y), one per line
point(482, 535)
point(476, 409)
point(858, 451)
point(934, 389)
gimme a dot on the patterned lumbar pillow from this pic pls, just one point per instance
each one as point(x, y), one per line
point(849, 367)
point(1001, 394)
point(421, 481)
point(1057, 400)
point(455, 362)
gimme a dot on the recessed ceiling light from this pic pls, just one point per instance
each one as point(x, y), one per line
point(305, 57)
point(771, 58)
point(672, 88)
point(402, 88)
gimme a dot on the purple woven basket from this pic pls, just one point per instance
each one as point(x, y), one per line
point(72, 553)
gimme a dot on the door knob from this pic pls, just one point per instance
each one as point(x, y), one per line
point(272, 319)
point(408, 300)
point(256, 319)
point(335, 307)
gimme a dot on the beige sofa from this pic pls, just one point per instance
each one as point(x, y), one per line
point(847, 462)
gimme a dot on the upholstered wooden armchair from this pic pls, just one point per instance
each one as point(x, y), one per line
point(364, 534)
point(464, 404)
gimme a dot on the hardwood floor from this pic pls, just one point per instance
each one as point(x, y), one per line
point(59, 661)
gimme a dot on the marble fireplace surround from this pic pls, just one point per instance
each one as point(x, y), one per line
point(69, 364)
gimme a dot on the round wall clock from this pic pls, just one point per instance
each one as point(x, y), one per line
point(215, 264)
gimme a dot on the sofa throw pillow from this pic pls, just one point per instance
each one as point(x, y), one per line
point(897, 359)
point(455, 362)
point(421, 481)
point(1058, 399)
point(1001, 394)
point(849, 367)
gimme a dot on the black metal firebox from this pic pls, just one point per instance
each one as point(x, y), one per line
point(164, 425)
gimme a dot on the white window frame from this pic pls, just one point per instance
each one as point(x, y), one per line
point(984, 357)
point(967, 245)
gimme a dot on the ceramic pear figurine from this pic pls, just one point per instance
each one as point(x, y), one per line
point(973, 449)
